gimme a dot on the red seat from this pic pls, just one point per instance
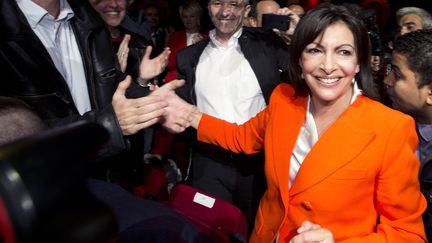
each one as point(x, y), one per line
point(212, 216)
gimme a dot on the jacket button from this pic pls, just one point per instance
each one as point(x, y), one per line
point(307, 205)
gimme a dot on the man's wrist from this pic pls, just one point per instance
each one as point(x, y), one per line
point(143, 82)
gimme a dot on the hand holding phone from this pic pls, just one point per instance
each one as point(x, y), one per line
point(274, 21)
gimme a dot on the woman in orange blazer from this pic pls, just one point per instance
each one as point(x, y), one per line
point(340, 166)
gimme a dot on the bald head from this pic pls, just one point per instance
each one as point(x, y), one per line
point(265, 7)
point(297, 9)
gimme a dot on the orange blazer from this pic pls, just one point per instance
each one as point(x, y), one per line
point(359, 180)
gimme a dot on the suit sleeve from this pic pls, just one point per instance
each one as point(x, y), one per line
point(399, 201)
point(247, 138)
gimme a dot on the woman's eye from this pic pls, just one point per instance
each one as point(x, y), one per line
point(313, 50)
point(345, 52)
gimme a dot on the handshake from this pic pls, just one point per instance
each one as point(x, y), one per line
point(162, 106)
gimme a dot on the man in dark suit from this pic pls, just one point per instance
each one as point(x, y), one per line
point(57, 56)
point(231, 76)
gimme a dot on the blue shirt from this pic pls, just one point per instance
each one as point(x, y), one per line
point(424, 132)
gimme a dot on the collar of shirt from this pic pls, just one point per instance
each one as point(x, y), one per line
point(425, 131)
point(232, 41)
point(35, 13)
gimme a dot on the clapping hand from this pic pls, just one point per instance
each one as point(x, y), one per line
point(123, 53)
point(150, 68)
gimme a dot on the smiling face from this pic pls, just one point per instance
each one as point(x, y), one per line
point(112, 11)
point(227, 16)
point(190, 20)
point(329, 65)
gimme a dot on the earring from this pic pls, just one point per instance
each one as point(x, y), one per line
point(353, 80)
point(301, 76)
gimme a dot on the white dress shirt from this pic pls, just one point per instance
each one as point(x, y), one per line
point(226, 86)
point(59, 40)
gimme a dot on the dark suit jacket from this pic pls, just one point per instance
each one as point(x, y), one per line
point(30, 74)
point(425, 177)
point(265, 51)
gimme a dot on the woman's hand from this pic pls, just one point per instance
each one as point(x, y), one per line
point(310, 232)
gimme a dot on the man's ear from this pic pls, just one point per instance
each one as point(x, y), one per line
point(247, 10)
point(429, 94)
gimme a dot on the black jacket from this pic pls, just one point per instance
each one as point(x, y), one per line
point(266, 53)
point(30, 74)
point(425, 177)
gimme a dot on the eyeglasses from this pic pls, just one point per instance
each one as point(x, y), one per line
point(232, 5)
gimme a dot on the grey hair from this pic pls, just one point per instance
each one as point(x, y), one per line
point(423, 14)
point(246, 2)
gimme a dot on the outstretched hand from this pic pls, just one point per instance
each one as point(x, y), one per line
point(294, 19)
point(177, 116)
point(150, 68)
point(136, 114)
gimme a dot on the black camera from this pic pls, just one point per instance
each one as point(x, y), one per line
point(274, 21)
point(369, 19)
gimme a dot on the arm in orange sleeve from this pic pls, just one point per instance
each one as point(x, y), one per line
point(246, 138)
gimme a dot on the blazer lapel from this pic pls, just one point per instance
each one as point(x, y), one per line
point(286, 130)
point(339, 145)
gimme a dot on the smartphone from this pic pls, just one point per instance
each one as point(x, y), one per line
point(274, 21)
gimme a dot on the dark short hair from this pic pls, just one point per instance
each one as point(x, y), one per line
point(18, 120)
point(313, 23)
point(416, 47)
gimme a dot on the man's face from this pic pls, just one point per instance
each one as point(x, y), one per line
point(152, 15)
point(403, 88)
point(227, 16)
point(409, 23)
point(111, 11)
point(265, 7)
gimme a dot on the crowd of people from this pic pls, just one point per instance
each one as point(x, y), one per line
point(317, 132)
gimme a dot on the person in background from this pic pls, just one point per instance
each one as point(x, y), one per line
point(297, 9)
point(231, 75)
point(409, 86)
point(130, 46)
point(133, 52)
point(412, 18)
point(334, 154)
point(159, 33)
point(190, 15)
point(263, 7)
point(165, 143)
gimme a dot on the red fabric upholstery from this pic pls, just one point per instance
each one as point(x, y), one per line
point(218, 221)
